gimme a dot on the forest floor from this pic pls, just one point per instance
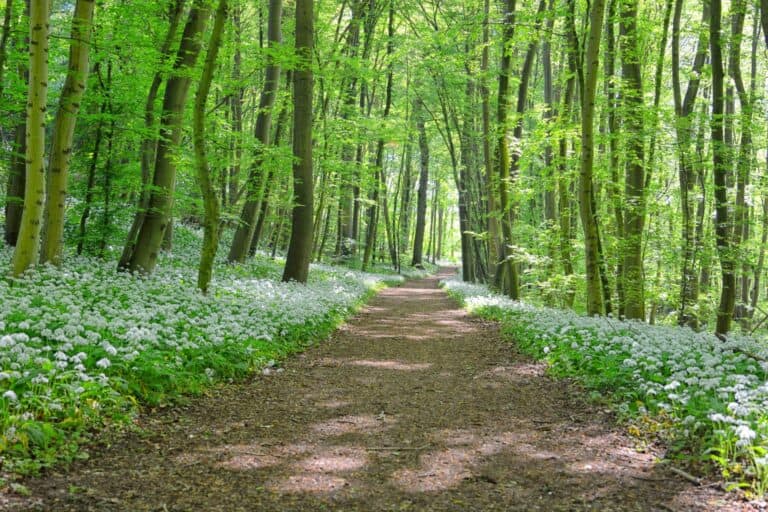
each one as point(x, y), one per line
point(412, 405)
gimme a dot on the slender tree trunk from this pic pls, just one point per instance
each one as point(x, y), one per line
point(282, 121)
point(241, 242)
point(300, 246)
point(91, 183)
point(613, 188)
point(494, 231)
point(421, 201)
point(595, 303)
point(17, 179)
point(683, 110)
point(236, 106)
point(405, 205)
point(634, 184)
point(744, 158)
point(550, 196)
point(207, 188)
point(720, 168)
point(506, 274)
point(158, 216)
point(64, 132)
point(380, 190)
point(149, 142)
point(27, 250)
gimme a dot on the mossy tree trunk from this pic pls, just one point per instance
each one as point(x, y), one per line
point(64, 131)
point(207, 189)
point(595, 305)
point(158, 215)
point(27, 250)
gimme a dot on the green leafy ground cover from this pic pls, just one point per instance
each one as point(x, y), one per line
point(706, 399)
point(83, 347)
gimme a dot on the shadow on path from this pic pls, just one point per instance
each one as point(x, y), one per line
point(412, 405)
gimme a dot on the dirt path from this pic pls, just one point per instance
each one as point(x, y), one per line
point(411, 406)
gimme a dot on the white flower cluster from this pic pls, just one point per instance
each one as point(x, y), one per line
point(80, 332)
point(709, 386)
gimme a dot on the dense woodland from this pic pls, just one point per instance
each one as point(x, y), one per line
point(607, 155)
point(168, 163)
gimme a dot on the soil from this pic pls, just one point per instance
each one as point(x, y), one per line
point(412, 405)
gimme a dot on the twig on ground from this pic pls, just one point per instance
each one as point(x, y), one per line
point(686, 475)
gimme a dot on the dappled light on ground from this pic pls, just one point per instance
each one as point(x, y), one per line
point(359, 424)
point(391, 365)
point(411, 406)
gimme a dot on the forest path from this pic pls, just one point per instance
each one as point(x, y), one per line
point(413, 405)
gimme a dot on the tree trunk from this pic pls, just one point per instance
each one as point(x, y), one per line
point(595, 303)
point(421, 201)
point(149, 142)
point(720, 166)
point(380, 190)
point(282, 121)
point(82, 228)
point(17, 179)
point(494, 231)
point(158, 216)
point(506, 273)
point(27, 250)
point(634, 188)
point(64, 132)
point(300, 246)
point(241, 242)
point(683, 110)
point(207, 188)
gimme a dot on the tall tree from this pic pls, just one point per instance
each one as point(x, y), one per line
point(506, 274)
point(158, 215)
point(634, 190)
point(720, 167)
point(64, 131)
point(210, 199)
point(149, 141)
point(257, 178)
point(27, 250)
point(421, 199)
point(300, 246)
point(586, 209)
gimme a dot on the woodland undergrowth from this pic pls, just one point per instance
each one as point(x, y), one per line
point(704, 399)
point(84, 347)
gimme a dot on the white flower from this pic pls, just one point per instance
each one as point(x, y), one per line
point(10, 395)
point(745, 434)
point(103, 363)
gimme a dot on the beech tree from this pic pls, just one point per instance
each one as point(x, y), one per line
point(28, 244)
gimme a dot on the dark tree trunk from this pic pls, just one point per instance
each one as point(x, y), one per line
point(300, 246)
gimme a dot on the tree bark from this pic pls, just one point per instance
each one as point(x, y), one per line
point(255, 186)
point(595, 302)
point(634, 183)
point(158, 215)
point(300, 246)
point(27, 250)
point(207, 188)
point(720, 166)
point(64, 132)
point(149, 142)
